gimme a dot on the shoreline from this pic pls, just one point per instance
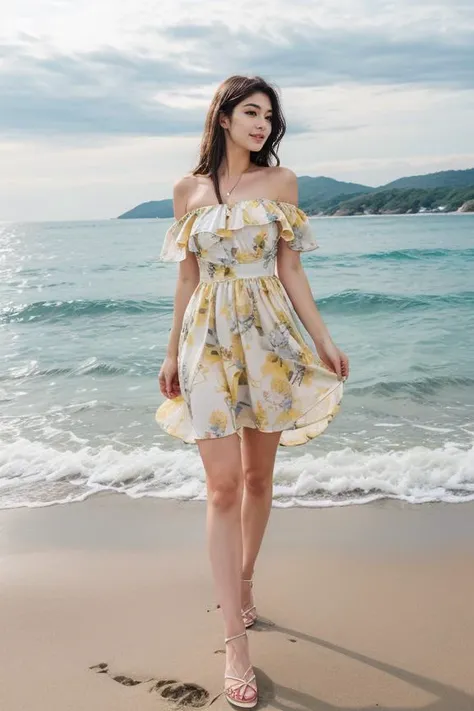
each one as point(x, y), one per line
point(361, 608)
point(395, 214)
point(149, 522)
point(322, 216)
point(144, 219)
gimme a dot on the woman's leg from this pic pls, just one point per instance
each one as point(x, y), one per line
point(258, 451)
point(222, 462)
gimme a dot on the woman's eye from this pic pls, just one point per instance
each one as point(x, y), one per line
point(250, 112)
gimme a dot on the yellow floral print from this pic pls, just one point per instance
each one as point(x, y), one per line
point(243, 360)
point(217, 422)
point(275, 366)
point(225, 311)
point(222, 271)
point(261, 418)
point(202, 311)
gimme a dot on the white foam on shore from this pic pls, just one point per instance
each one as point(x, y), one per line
point(35, 474)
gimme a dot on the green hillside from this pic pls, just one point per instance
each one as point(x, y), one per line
point(448, 190)
point(153, 208)
point(409, 200)
point(314, 191)
point(323, 189)
point(444, 179)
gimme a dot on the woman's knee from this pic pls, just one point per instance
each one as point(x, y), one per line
point(222, 461)
point(257, 481)
point(224, 486)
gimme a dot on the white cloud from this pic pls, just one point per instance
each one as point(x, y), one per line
point(72, 25)
point(101, 110)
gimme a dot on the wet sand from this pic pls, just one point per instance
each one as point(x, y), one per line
point(361, 608)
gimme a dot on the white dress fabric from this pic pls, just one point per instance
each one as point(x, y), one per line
point(242, 359)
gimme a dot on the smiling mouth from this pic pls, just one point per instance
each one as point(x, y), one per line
point(257, 137)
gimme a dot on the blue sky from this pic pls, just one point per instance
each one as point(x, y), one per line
point(103, 103)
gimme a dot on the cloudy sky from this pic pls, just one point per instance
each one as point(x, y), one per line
point(102, 103)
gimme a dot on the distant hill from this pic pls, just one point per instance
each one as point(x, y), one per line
point(409, 200)
point(446, 191)
point(444, 179)
point(322, 195)
point(153, 208)
point(322, 189)
point(311, 190)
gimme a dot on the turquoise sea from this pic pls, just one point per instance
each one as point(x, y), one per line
point(85, 309)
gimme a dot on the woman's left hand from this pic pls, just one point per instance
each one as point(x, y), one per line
point(334, 358)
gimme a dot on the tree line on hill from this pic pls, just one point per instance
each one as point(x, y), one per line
point(446, 191)
point(398, 201)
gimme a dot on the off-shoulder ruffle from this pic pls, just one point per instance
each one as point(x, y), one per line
point(221, 220)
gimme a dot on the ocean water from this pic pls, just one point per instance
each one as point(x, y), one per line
point(85, 309)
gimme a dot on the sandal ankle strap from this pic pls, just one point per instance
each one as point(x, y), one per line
point(236, 636)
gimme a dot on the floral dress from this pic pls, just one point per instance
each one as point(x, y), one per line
point(242, 358)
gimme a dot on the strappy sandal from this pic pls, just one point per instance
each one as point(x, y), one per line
point(249, 616)
point(243, 683)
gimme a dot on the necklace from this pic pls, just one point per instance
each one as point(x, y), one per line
point(234, 186)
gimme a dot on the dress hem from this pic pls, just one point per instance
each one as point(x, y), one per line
point(308, 437)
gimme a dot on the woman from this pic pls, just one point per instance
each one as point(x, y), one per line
point(238, 376)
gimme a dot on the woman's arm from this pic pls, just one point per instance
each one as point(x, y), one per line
point(292, 275)
point(188, 278)
point(188, 271)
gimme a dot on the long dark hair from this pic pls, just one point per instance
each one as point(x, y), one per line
point(230, 93)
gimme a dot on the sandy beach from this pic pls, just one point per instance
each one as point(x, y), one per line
point(361, 608)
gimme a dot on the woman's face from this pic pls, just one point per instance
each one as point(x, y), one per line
point(251, 122)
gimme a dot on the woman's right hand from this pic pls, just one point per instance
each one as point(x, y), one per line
point(168, 378)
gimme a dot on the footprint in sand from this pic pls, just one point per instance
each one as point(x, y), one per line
point(182, 693)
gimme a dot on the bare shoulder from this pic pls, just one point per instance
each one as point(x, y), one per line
point(277, 183)
point(281, 172)
point(182, 189)
point(185, 184)
point(286, 184)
